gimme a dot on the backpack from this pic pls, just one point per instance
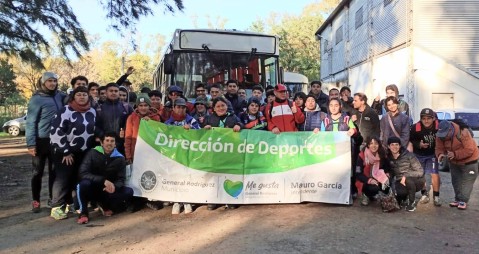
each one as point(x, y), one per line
point(418, 125)
point(462, 126)
point(344, 122)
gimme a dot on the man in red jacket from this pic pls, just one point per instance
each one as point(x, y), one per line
point(283, 115)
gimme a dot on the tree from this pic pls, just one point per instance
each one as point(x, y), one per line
point(20, 21)
point(7, 81)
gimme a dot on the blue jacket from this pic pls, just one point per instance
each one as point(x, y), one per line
point(42, 108)
point(312, 120)
point(188, 120)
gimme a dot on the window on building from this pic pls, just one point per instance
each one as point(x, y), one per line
point(339, 35)
point(359, 18)
point(386, 2)
point(326, 45)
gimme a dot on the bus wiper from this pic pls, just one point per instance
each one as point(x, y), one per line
point(252, 53)
point(205, 47)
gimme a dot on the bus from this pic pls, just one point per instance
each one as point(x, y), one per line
point(210, 56)
point(296, 82)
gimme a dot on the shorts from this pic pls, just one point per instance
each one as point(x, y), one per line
point(429, 164)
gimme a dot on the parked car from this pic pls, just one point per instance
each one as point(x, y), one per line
point(16, 126)
point(468, 116)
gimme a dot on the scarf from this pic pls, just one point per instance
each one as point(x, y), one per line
point(374, 161)
point(178, 118)
point(79, 108)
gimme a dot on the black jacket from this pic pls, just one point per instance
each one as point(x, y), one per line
point(368, 123)
point(238, 104)
point(111, 117)
point(229, 121)
point(418, 132)
point(98, 167)
point(405, 165)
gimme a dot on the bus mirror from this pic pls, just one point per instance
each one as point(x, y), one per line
point(168, 64)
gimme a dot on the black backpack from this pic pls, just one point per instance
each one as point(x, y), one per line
point(462, 126)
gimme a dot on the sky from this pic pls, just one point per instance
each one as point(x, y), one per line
point(239, 14)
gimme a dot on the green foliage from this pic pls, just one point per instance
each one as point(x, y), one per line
point(7, 81)
point(20, 21)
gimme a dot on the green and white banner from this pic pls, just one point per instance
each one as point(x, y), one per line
point(220, 166)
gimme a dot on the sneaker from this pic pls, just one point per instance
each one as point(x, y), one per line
point(411, 207)
point(424, 199)
point(176, 208)
point(36, 206)
point(58, 213)
point(454, 204)
point(188, 208)
point(105, 212)
point(437, 201)
point(211, 207)
point(231, 207)
point(70, 208)
point(154, 205)
point(83, 219)
point(364, 200)
point(462, 206)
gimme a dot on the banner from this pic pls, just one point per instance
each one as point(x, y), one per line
point(220, 166)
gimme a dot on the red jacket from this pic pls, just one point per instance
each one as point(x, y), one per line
point(281, 116)
point(131, 132)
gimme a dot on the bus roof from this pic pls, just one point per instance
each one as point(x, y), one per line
point(291, 77)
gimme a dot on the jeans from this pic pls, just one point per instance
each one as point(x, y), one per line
point(38, 166)
point(463, 178)
point(413, 185)
point(116, 201)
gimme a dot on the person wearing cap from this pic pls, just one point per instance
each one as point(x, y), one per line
point(283, 115)
point(460, 148)
point(394, 123)
point(179, 117)
point(143, 111)
point(408, 173)
point(71, 135)
point(321, 98)
point(112, 116)
point(423, 139)
point(253, 118)
point(201, 110)
point(42, 107)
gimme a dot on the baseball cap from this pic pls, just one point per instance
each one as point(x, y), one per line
point(444, 127)
point(427, 112)
point(180, 102)
point(280, 87)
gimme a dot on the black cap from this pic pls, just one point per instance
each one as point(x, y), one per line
point(427, 112)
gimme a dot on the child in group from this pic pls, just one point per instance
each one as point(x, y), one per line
point(253, 118)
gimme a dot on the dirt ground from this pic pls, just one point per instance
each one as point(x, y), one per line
point(295, 228)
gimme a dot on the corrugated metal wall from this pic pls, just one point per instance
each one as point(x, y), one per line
point(338, 50)
point(326, 48)
point(389, 25)
point(358, 35)
point(449, 28)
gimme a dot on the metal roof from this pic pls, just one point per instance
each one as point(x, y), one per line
point(332, 16)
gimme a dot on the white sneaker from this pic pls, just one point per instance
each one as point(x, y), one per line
point(424, 199)
point(176, 208)
point(188, 208)
point(437, 201)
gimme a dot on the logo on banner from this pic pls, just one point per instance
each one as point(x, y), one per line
point(148, 181)
point(233, 188)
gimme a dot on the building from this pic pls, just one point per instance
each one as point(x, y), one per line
point(429, 48)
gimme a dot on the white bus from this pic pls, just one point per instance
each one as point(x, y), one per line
point(296, 82)
point(209, 56)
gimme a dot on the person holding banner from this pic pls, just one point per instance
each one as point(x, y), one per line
point(336, 120)
point(253, 118)
point(179, 117)
point(372, 170)
point(283, 115)
point(221, 118)
point(313, 116)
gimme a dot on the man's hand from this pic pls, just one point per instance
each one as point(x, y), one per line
point(32, 151)
point(186, 126)
point(275, 130)
point(109, 187)
point(450, 155)
point(354, 118)
point(68, 160)
point(423, 145)
point(122, 133)
point(316, 130)
point(130, 70)
point(236, 128)
point(293, 108)
point(403, 180)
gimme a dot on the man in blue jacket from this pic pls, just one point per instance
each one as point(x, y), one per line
point(102, 179)
point(42, 107)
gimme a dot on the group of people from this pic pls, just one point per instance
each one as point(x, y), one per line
point(88, 137)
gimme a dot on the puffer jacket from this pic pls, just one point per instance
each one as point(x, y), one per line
point(312, 119)
point(461, 143)
point(131, 131)
point(405, 165)
point(98, 167)
point(42, 107)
